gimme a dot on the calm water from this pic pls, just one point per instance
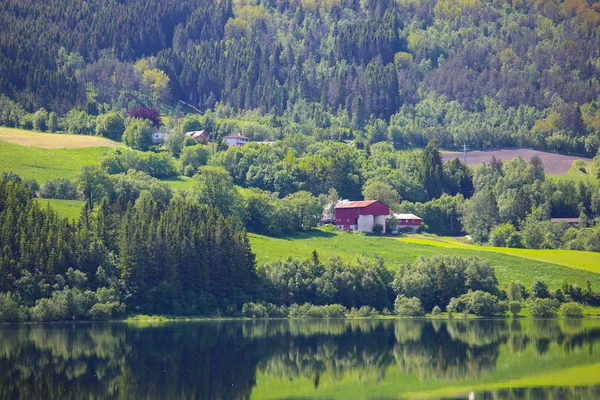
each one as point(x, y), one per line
point(494, 359)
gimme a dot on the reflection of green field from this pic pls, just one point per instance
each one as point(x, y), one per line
point(586, 260)
point(513, 369)
point(395, 252)
point(575, 376)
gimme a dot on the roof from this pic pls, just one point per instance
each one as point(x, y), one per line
point(357, 204)
point(235, 137)
point(407, 216)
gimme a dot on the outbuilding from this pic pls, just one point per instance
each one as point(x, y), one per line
point(361, 216)
point(408, 222)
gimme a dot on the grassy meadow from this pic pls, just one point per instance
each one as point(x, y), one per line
point(67, 208)
point(585, 260)
point(45, 164)
point(396, 251)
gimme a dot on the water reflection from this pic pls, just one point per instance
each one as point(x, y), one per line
point(281, 359)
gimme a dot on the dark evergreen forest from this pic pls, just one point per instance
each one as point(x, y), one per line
point(518, 73)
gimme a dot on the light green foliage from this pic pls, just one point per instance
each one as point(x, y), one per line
point(156, 165)
point(193, 157)
point(501, 234)
point(138, 134)
point(174, 143)
point(436, 280)
point(543, 308)
point(486, 304)
point(305, 208)
point(215, 189)
point(571, 310)
point(93, 183)
point(111, 125)
point(436, 311)
point(480, 215)
point(382, 191)
point(406, 307)
point(517, 291)
point(40, 120)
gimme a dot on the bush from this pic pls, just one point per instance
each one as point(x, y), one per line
point(515, 308)
point(486, 304)
point(308, 310)
point(436, 311)
point(254, 310)
point(479, 303)
point(104, 311)
point(571, 310)
point(543, 308)
point(156, 165)
point(378, 228)
point(363, 312)
point(458, 305)
point(406, 307)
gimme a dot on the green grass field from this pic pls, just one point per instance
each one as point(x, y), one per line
point(396, 252)
point(585, 260)
point(45, 164)
point(67, 208)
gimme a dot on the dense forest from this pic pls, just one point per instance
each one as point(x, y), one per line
point(485, 73)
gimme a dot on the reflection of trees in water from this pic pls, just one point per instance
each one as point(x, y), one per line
point(364, 348)
point(220, 360)
point(447, 350)
point(543, 393)
point(56, 360)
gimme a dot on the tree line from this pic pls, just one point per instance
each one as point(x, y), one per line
point(174, 257)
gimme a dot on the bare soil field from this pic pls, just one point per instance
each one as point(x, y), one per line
point(553, 163)
point(53, 140)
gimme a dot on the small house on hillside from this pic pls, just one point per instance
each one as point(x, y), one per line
point(361, 215)
point(408, 222)
point(199, 136)
point(236, 140)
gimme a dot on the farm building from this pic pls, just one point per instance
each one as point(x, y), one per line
point(199, 136)
point(407, 221)
point(236, 140)
point(361, 215)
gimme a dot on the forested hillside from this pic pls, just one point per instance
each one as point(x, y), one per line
point(488, 73)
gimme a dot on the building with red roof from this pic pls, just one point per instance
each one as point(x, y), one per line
point(361, 216)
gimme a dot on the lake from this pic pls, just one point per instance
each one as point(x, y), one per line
point(284, 359)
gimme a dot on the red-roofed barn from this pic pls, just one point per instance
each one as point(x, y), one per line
point(361, 215)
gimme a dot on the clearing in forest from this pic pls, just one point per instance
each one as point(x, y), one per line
point(553, 163)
